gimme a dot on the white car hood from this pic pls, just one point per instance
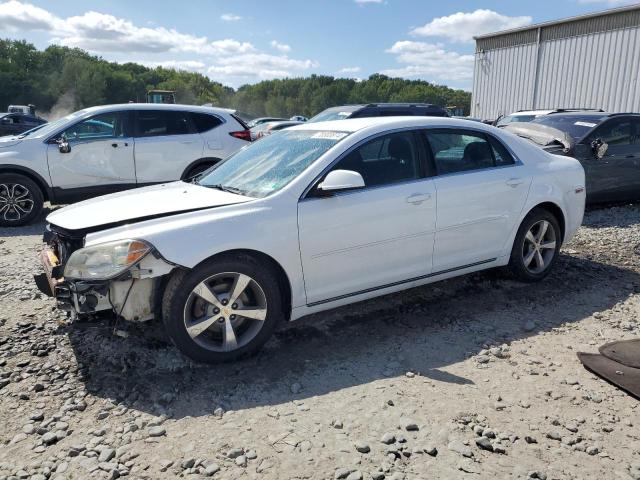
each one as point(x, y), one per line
point(140, 204)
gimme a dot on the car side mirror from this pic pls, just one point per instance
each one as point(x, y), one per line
point(63, 145)
point(599, 148)
point(339, 180)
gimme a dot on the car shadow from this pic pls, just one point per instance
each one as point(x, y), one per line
point(36, 227)
point(425, 330)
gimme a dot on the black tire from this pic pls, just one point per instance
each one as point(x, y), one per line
point(198, 169)
point(521, 247)
point(21, 200)
point(179, 290)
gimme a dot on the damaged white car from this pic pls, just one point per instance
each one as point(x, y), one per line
point(311, 218)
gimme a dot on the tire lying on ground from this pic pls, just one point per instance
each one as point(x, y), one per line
point(20, 200)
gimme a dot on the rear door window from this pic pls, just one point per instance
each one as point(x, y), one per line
point(456, 151)
point(155, 123)
point(204, 122)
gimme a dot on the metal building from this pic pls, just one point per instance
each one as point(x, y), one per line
point(590, 61)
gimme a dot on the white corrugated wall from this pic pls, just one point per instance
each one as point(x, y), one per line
point(599, 70)
point(503, 81)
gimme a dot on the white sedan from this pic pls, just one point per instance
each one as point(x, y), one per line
point(312, 218)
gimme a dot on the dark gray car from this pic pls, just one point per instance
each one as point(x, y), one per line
point(607, 145)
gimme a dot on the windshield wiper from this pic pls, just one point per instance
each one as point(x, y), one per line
point(226, 188)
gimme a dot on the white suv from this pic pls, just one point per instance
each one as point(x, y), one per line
point(111, 148)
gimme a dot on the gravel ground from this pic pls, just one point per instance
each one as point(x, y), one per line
point(475, 377)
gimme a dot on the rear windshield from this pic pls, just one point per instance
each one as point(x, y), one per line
point(332, 114)
point(514, 119)
point(577, 126)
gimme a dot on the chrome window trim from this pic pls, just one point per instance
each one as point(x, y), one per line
point(420, 130)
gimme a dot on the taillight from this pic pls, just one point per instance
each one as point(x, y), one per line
point(242, 135)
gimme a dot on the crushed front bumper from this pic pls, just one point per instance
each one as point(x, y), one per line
point(77, 297)
point(133, 295)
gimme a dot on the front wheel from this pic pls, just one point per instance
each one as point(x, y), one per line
point(536, 246)
point(223, 309)
point(20, 200)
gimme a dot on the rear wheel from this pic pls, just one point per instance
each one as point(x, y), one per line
point(222, 310)
point(20, 200)
point(536, 246)
point(198, 169)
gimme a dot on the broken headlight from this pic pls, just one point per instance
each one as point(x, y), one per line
point(105, 261)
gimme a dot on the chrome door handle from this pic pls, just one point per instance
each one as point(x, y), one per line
point(514, 182)
point(186, 142)
point(418, 198)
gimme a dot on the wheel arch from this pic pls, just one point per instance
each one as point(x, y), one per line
point(556, 211)
point(273, 264)
point(47, 192)
point(196, 163)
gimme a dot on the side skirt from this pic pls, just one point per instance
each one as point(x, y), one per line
point(402, 282)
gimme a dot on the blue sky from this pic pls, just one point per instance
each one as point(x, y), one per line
point(237, 42)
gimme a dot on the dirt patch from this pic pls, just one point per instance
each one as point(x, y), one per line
point(473, 377)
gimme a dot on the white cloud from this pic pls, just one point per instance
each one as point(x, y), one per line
point(282, 47)
point(348, 70)
point(230, 17)
point(430, 61)
point(462, 27)
point(16, 16)
point(364, 2)
point(259, 65)
point(102, 33)
point(190, 65)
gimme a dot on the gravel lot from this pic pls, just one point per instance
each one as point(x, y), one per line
point(475, 377)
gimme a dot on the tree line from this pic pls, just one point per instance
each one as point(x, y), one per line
point(61, 79)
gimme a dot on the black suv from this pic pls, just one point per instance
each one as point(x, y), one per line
point(607, 145)
point(16, 123)
point(380, 110)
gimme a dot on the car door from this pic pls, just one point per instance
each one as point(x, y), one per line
point(166, 144)
point(481, 192)
point(100, 159)
point(615, 176)
point(361, 240)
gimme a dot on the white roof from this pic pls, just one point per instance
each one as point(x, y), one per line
point(386, 123)
point(531, 112)
point(156, 106)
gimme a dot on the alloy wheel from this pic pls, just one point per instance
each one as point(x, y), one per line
point(226, 311)
point(539, 247)
point(16, 202)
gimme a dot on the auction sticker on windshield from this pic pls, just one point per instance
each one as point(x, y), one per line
point(330, 135)
point(585, 124)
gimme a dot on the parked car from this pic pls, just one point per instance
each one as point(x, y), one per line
point(380, 110)
point(110, 148)
point(530, 115)
point(607, 145)
point(17, 123)
point(299, 118)
point(268, 128)
point(261, 120)
point(311, 218)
